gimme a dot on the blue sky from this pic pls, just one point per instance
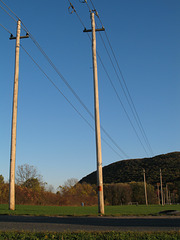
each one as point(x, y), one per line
point(51, 135)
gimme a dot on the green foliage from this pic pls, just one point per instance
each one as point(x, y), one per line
point(125, 193)
point(4, 193)
point(117, 194)
point(173, 235)
point(1, 188)
point(1, 179)
point(138, 193)
point(127, 171)
point(132, 170)
point(32, 183)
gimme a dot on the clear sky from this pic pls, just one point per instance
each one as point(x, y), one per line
point(51, 135)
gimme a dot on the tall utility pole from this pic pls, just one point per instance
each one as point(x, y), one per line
point(162, 197)
point(158, 193)
point(14, 120)
point(97, 119)
point(145, 188)
point(167, 196)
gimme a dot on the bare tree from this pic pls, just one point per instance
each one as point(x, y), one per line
point(67, 185)
point(26, 172)
point(50, 188)
point(71, 182)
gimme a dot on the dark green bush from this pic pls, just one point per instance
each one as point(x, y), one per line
point(91, 235)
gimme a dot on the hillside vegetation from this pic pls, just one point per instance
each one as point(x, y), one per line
point(123, 184)
point(132, 170)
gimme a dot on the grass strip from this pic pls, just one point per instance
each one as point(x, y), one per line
point(171, 235)
point(140, 210)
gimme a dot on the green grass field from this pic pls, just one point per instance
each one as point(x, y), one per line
point(140, 210)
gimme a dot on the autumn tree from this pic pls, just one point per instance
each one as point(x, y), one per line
point(1, 179)
point(74, 193)
point(32, 183)
point(4, 190)
point(68, 184)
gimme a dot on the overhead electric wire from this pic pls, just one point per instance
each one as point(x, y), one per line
point(11, 12)
point(75, 12)
point(125, 96)
point(10, 9)
point(128, 96)
point(121, 103)
point(7, 12)
point(130, 102)
point(67, 98)
point(55, 86)
point(64, 80)
point(5, 29)
point(85, 1)
point(93, 4)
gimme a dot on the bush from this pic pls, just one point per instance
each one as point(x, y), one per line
point(117, 194)
point(138, 194)
point(91, 235)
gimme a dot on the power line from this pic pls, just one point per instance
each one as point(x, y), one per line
point(10, 14)
point(93, 5)
point(67, 99)
point(131, 100)
point(121, 103)
point(74, 10)
point(7, 12)
point(125, 96)
point(85, 1)
point(10, 9)
point(74, 93)
point(5, 29)
point(55, 85)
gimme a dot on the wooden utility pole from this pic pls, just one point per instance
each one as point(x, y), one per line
point(162, 197)
point(167, 199)
point(97, 119)
point(169, 196)
point(145, 188)
point(97, 122)
point(158, 193)
point(14, 120)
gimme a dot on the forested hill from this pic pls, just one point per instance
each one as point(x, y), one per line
point(132, 170)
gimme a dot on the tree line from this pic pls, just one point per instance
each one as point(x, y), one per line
point(32, 190)
point(128, 171)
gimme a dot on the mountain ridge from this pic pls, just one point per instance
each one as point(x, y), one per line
point(129, 170)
